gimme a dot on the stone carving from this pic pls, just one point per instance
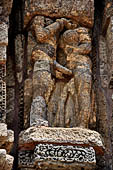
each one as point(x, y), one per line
point(72, 136)
point(61, 55)
point(6, 142)
point(26, 158)
point(73, 9)
point(67, 148)
point(4, 34)
point(57, 154)
point(6, 160)
point(69, 154)
point(78, 87)
point(49, 71)
point(2, 93)
point(2, 54)
point(3, 44)
point(6, 136)
point(43, 55)
point(4, 20)
point(111, 82)
point(38, 112)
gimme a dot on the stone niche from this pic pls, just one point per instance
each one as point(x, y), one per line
point(81, 11)
point(59, 148)
point(58, 105)
point(59, 68)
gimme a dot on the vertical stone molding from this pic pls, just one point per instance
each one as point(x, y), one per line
point(6, 136)
point(3, 46)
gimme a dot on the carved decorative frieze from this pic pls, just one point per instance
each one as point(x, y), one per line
point(3, 34)
point(26, 158)
point(65, 154)
point(2, 92)
point(62, 153)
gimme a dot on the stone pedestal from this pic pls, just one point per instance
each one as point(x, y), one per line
point(59, 148)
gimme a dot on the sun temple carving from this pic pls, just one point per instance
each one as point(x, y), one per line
point(56, 66)
point(2, 93)
point(3, 46)
point(60, 57)
point(57, 153)
point(6, 136)
point(69, 154)
point(26, 158)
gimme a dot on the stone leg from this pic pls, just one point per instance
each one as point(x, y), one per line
point(42, 86)
point(82, 76)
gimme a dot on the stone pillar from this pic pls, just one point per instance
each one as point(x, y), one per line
point(6, 136)
point(5, 9)
point(3, 46)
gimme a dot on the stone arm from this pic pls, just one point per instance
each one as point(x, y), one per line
point(62, 69)
point(42, 34)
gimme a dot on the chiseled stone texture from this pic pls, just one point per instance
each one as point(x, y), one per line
point(75, 136)
point(6, 137)
point(3, 54)
point(58, 156)
point(38, 112)
point(68, 154)
point(62, 148)
point(5, 10)
point(80, 11)
point(6, 161)
point(3, 34)
point(6, 143)
point(61, 71)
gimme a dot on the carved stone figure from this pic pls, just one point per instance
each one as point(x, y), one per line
point(61, 61)
point(74, 103)
point(77, 46)
point(43, 56)
point(49, 78)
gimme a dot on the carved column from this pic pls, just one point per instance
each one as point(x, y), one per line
point(6, 136)
point(3, 46)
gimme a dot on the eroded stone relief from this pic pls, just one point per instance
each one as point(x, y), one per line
point(6, 136)
point(49, 78)
point(57, 153)
point(62, 74)
point(62, 153)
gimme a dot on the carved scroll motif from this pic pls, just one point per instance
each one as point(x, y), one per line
point(2, 92)
point(69, 154)
point(26, 158)
point(57, 153)
point(3, 47)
